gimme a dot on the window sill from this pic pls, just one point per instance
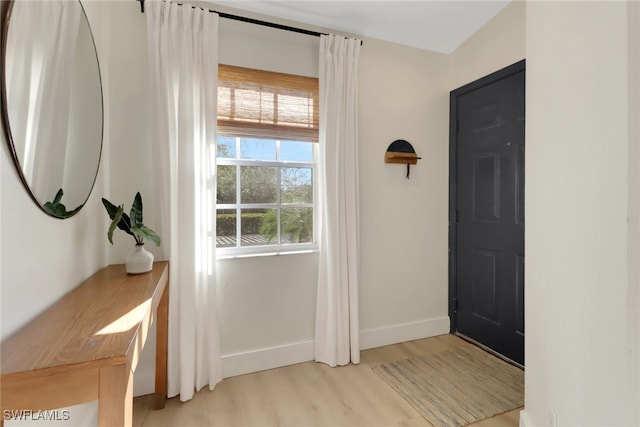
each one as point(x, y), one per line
point(223, 255)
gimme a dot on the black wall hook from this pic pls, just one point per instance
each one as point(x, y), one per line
point(401, 151)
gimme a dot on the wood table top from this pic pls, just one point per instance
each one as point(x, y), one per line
point(96, 324)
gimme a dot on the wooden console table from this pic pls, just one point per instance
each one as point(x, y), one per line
point(86, 346)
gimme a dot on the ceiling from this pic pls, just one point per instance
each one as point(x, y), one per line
point(439, 26)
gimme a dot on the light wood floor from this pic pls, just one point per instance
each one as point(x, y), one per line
point(308, 394)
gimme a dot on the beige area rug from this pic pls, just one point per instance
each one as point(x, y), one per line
point(456, 387)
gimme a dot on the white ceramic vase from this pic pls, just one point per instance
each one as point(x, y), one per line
point(139, 261)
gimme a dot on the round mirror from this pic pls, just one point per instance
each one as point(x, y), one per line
point(52, 101)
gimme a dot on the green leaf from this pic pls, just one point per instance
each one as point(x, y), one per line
point(125, 221)
point(56, 209)
point(116, 219)
point(143, 232)
point(136, 211)
point(58, 197)
point(137, 234)
point(73, 212)
point(148, 233)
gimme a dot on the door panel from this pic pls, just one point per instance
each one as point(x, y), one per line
point(486, 187)
point(488, 198)
point(484, 285)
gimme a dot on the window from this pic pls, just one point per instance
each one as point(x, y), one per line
point(267, 129)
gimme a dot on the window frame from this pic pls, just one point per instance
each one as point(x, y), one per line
point(277, 248)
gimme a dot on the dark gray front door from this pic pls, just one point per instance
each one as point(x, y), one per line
point(487, 203)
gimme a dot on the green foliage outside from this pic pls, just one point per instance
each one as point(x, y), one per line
point(297, 225)
point(260, 185)
point(226, 223)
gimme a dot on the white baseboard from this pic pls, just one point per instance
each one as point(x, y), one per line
point(524, 419)
point(289, 354)
point(395, 334)
point(144, 382)
point(267, 358)
point(298, 352)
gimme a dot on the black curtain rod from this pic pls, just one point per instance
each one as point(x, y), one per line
point(268, 24)
point(253, 21)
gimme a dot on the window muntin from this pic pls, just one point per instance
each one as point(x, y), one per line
point(264, 202)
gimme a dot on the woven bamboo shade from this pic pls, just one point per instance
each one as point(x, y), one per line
point(263, 104)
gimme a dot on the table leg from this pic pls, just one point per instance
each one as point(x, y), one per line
point(162, 327)
point(115, 400)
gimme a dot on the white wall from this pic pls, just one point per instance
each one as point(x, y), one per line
point(633, 291)
point(581, 366)
point(403, 95)
point(501, 42)
point(42, 258)
point(128, 108)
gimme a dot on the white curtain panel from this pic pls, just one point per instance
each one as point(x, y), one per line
point(337, 327)
point(183, 63)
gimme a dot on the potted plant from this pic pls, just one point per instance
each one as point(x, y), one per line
point(140, 260)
